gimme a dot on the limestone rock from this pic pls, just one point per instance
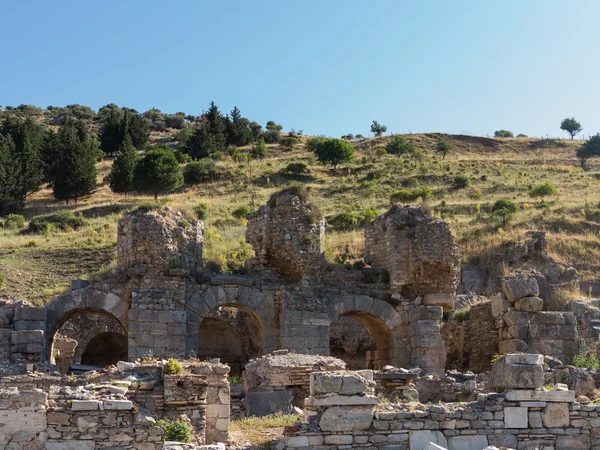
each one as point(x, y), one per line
point(517, 288)
point(347, 418)
point(529, 304)
point(515, 417)
point(419, 439)
point(446, 301)
point(556, 415)
point(510, 374)
point(499, 305)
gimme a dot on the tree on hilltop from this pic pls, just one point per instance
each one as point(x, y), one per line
point(399, 146)
point(571, 126)
point(377, 129)
point(444, 147)
point(590, 149)
point(503, 134)
point(120, 178)
point(334, 152)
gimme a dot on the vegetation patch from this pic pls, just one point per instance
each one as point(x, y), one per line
point(62, 220)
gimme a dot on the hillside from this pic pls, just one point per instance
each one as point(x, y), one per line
point(38, 267)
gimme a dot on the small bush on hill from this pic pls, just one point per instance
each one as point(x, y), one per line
point(543, 190)
point(240, 212)
point(2, 280)
point(411, 195)
point(61, 220)
point(461, 181)
point(14, 222)
point(349, 220)
point(200, 171)
point(297, 168)
point(201, 210)
point(504, 210)
point(175, 430)
point(503, 134)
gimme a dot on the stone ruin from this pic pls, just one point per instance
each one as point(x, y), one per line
point(161, 302)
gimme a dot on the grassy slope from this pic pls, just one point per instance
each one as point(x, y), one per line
point(37, 267)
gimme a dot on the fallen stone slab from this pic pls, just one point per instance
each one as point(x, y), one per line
point(530, 359)
point(85, 405)
point(268, 402)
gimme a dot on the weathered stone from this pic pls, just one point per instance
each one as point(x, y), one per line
point(518, 376)
point(348, 418)
point(516, 318)
point(529, 304)
point(517, 288)
point(515, 417)
point(540, 395)
point(512, 346)
point(124, 366)
point(499, 305)
point(476, 442)
point(269, 402)
point(342, 400)
point(535, 419)
point(503, 440)
point(85, 405)
point(556, 415)
point(70, 445)
point(118, 405)
point(420, 439)
point(530, 359)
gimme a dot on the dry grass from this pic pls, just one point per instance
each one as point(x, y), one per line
point(498, 168)
point(260, 431)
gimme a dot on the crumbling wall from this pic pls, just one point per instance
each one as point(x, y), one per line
point(287, 236)
point(160, 239)
point(417, 250)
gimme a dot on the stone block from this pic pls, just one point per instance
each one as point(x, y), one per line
point(124, 366)
point(56, 418)
point(515, 417)
point(535, 419)
point(297, 441)
point(503, 440)
point(543, 396)
point(432, 446)
point(446, 301)
point(120, 405)
point(342, 400)
point(30, 313)
point(573, 443)
point(475, 442)
point(499, 305)
point(529, 304)
point(27, 337)
point(517, 288)
point(420, 439)
point(347, 418)
point(346, 383)
point(338, 439)
point(70, 445)
point(268, 402)
point(85, 405)
point(530, 359)
point(556, 415)
point(426, 313)
point(516, 318)
point(27, 348)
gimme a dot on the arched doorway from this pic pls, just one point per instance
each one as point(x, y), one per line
point(105, 349)
point(361, 339)
point(232, 333)
point(350, 341)
point(98, 335)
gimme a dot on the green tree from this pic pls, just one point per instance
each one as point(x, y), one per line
point(75, 169)
point(571, 126)
point(256, 130)
point(272, 135)
point(289, 142)
point(377, 129)
point(503, 134)
point(200, 171)
point(259, 150)
point(239, 132)
point(158, 172)
point(12, 195)
point(119, 123)
point(120, 178)
point(210, 137)
point(399, 146)
point(504, 210)
point(590, 149)
point(334, 152)
point(443, 147)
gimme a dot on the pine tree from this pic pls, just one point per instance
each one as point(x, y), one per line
point(119, 123)
point(158, 172)
point(75, 168)
point(12, 196)
point(121, 174)
point(210, 136)
point(238, 130)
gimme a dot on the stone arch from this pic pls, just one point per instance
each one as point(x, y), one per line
point(61, 308)
point(388, 327)
point(259, 305)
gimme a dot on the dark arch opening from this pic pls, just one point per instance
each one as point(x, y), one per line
point(74, 332)
point(361, 340)
point(233, 334)
point(105, 349)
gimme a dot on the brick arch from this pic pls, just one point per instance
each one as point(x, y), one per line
point(388, 327)
point(64, 306)
point(259, 305)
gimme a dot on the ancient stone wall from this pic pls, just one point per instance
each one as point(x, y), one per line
point(344, 413)
point(417, 250)
point(288, 237)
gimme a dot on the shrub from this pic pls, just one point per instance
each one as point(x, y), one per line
point(411, 195)
point(288, 142)
point(583, 361)
point(460, 315)
point(182, 158)
point(173, 367)
point(14, 222)
point(461, 181)
point(503, 134)
point(240, 212)
point(201, 211)
point(475, 194)
point(2, 280)
point(200, 171)
point(399, 146)
point(543, 190)
point(504, 210)
point(297, 168)
point(349, 220)
point(175, 430)
point(61, 220)
point(297, 189)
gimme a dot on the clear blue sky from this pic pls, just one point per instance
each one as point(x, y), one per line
point(324, 66)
